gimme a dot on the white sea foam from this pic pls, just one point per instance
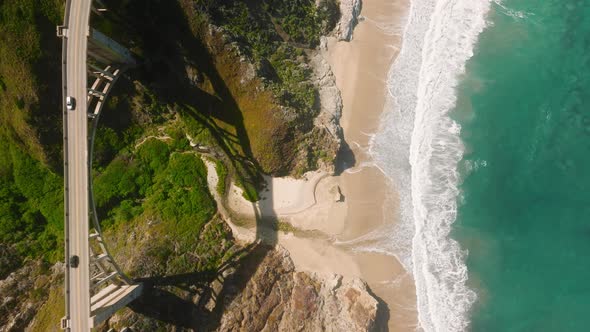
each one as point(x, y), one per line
point(418, 147)
point(475, 165)
point(361, 167)
point(511, 12)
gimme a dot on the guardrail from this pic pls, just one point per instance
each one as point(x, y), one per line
point(127, 291)
point(64, 80)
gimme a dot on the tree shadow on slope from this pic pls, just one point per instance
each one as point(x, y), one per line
point(197, 300)
point(204, 294)
point(30, 80)
point(167, 45)
point(47, 116)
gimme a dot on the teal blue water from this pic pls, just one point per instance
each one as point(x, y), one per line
point(524, 107)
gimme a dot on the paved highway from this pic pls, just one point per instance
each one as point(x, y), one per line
point(77, 164)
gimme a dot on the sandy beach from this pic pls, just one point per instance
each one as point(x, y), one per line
point(361, 67)
point(324, 213)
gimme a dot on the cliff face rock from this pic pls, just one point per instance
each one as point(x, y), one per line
point(349, 13)
point(277, 298)
point(23, 292)
point(9, 260)
point(326, 137)
point(330, 99)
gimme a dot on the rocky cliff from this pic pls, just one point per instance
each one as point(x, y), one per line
point(262, 291)
point(350, 11)
point(278, 298)
point(24, 291)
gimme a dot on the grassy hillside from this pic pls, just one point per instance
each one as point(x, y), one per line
point(29, 76)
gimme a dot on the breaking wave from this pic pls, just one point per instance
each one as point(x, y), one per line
point(418, 147)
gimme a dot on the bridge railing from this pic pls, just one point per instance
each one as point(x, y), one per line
point(64, 81)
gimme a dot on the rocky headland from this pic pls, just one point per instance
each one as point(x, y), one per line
point(279, 298)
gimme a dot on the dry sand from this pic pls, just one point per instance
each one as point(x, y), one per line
point(346, 207)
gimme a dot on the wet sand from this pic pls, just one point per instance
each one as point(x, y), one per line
point(361, 68)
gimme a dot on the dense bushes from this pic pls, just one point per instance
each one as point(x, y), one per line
point(31, 194)
point(29, 58)
point(222, 176)
point(31, 205)
point(154, 180)
point(276, 34)
point(181, 195)
point(302, 20)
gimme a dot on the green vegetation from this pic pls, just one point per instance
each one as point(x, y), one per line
point(277, 34)
point(263, 25)
point(31, 191)
point(294, 89)
point(31, 206)
point(29, 58)
point(196, 127)
point(160, 190)
point(302, 20)
point(203, 248)
point(50, 314)
point(158, 181)
point(222, 176)
point(181, 194)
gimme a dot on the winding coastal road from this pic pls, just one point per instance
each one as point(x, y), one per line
point(76, 137)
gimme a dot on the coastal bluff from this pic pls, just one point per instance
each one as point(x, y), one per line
point(279, 298)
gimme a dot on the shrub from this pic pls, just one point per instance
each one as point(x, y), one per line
point(181, 195)
point(221, 175)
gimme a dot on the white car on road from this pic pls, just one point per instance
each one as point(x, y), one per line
point(70, 103)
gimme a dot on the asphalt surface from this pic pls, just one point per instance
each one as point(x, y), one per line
point(77, 159)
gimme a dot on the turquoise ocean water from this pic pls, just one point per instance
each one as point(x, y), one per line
point(524, 203)
point(486, 138)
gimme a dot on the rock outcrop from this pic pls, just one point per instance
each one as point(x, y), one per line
point(349, 14)
point(328, 135)
point(262, 291)
point(328, 132)
point(278, 298)
point(24, 291)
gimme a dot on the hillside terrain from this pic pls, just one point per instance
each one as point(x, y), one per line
point(226, 82)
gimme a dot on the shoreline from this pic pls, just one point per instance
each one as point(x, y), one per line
point(325, 214)
point(423, 84)
point(361, 68)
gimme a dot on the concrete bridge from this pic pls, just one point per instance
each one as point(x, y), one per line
point(95, 287)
